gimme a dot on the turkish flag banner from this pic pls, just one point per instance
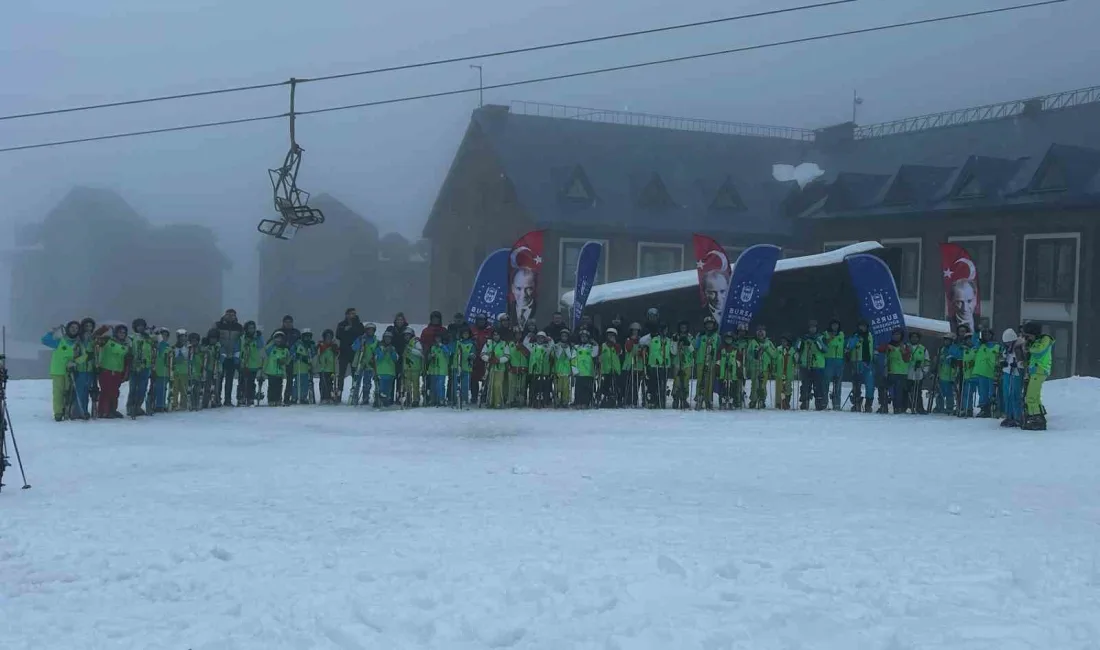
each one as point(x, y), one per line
point(525, 262)
point(713, 266)
point(960, 286)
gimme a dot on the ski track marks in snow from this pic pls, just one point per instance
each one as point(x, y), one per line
point(344, 529)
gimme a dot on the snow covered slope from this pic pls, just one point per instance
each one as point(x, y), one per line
point(337, 528)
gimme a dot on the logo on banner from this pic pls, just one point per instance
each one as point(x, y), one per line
point(747, 292)
point(878, 301)
point(490, 294)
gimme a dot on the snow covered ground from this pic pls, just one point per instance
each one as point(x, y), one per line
point(337, 528)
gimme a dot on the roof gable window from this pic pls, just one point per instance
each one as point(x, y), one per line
point(727, 198)
point(1052, 179)
point(577, 189)
point(971, 188)
point(655, 195)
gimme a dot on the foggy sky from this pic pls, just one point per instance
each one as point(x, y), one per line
point(388, 162)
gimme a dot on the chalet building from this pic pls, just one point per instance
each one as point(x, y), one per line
point(342, 263)
point(1017, 183)
point(94, 255)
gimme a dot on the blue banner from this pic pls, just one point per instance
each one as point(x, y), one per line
point(749, 283)
point(877, 293)
point(489, 297)
point(588, 262)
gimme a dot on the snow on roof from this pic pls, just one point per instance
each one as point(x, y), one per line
point(685, 279)
point(927, 324)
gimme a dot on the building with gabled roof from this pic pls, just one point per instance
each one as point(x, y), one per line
point(1018, 182)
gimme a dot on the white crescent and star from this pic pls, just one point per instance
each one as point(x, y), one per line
point(969, 265)
point(725, 262)
point(515, 253)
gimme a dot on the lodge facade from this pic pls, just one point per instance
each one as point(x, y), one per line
point(1017, 184)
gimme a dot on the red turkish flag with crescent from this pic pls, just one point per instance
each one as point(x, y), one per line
point(714, 269)
point(524, 265)
point(960, 286)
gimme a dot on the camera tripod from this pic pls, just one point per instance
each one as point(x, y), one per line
point(6, 429)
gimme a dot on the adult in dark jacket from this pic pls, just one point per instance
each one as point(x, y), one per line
point(557, 324)
point(229, 334)
point(290, 335)
point(348, 332)
point(457, 323)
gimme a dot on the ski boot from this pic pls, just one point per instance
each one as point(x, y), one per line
point(1035, 423)
point(58, 417)
point(868, 405)
point(984, 412)
point(1009, 423)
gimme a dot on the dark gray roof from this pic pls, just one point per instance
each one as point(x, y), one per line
point(540, 155)
point(1008, 158)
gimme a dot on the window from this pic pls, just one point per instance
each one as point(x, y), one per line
point(727, 199)
point(970, 189)
point(577, 189)
point(909, 280)
point(570, 252)
point(833, 245)
point(1052, 180)
point(657, 259)
point(1050, 269)
point(1062, 333)
point(655, 195)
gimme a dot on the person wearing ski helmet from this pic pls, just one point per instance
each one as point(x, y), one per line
point(291, 335)
point(834, 361)
point(759, 362)
point(987, 359)
point(347, 333)
point(785, 371)
point(362, 365)
point(141, 361)
point(1040, 349)
point(918, 369)
point(633, 365)
point(561, 359)
point(114, 358)
point(585, 354)
point(229, 339)
point(1012, 378)
point(945, 377)
point(897, 355)
point(178, 392)
point(704, 358)
point(611, 368)
point(251, 361)
point(64, 341)
point(412, 369)
point(964, 353)
point(811, 361)
point(386, 363)
point(482, 333)
point(161, 370)
point(327, 363)
point(302, 355)
point(277, 360)
point(861, 354)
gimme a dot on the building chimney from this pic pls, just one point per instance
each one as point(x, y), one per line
point(1032, 107)
point(832, 137)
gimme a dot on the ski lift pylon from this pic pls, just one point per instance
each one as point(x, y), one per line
point(291, 202)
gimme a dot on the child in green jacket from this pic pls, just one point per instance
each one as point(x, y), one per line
point(561, 354)
point(987, 360)
point(439, 366)
point(1040, 349)
point(585, 354)
point(538, 371)
point(496, 355)
point(252, 362)
point(462, 363)
point(785, 369)
point(386, 359)
point(63, 341)
point(759, 361)
point(276, 361)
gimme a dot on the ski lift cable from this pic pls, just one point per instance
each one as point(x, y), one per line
point(511, 84)
point(426, 64)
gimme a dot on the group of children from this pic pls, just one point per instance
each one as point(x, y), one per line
point(499, 366)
